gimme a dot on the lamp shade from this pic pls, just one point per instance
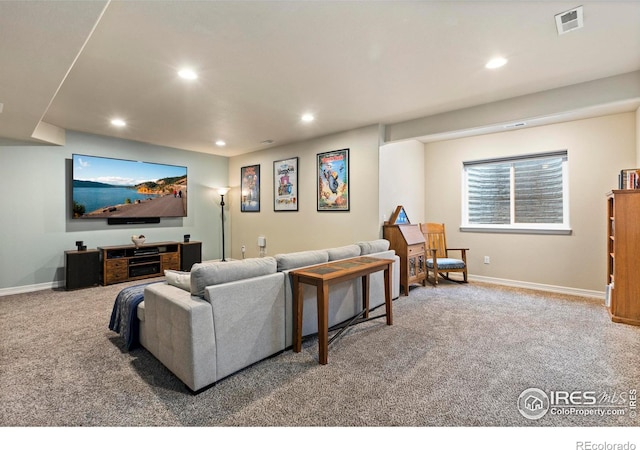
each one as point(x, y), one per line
point(223, 190)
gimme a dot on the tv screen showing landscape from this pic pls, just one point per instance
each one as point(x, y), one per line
point(118, 188)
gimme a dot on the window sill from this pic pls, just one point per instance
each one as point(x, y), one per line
point(516, 230)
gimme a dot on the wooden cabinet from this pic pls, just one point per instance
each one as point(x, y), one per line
point(623, 255)
point(408, 242)
point(128, 262)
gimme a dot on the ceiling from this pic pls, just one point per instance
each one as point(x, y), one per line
point(75, 65)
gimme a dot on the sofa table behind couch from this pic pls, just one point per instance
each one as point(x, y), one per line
point(324, 275)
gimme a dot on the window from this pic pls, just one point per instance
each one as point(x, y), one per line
point(517, 193)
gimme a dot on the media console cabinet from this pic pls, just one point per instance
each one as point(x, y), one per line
point(127, 262)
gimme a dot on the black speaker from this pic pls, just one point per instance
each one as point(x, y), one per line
point(82, 268)
point(187, 237)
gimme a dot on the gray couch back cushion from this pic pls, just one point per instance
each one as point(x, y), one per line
point(348, 251)
point(211, 273)
point(287, 261)
point(375, 246)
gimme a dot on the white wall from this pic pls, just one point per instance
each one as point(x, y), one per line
point(638, 137)
point(36, 226)
point(308, 229)
point(402, 179)
point(597, 149)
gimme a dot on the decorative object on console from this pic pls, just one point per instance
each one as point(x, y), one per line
point(333, 180)
point(250, 188)
point(81, 246)
point(222, 191)
point(285, 187)
point(138, 240)
point(187, 237)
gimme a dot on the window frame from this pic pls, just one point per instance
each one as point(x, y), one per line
point(528, 228)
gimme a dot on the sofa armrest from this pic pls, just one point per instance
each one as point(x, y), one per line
point(395, 277)
point(179, 332)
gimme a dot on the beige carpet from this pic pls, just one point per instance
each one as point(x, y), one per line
point(457, 355)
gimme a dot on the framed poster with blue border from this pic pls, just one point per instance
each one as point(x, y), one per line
point(333, 180)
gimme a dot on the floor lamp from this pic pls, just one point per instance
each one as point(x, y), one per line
point(222, 191)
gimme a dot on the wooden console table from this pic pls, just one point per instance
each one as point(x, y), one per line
point(128, 262)
point(324, 275)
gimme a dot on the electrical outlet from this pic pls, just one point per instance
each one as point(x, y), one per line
point(487, 260)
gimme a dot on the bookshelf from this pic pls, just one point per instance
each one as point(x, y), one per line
point(623, 256)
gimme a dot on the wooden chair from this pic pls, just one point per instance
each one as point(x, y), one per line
point(437, 254)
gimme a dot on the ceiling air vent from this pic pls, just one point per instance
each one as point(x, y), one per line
point(570, 20)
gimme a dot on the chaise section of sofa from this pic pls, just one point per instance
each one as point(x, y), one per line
point(231, 317)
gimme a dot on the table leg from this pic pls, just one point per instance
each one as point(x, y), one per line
point(365, 295)
point(298, 302)
point(387, 294)
point(323, 322)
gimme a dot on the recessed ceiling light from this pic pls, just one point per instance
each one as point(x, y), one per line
point(220, 143)
point(495, 63)
point(187, 74)
point(118, 123)
point(267, 142)
point(308, 118)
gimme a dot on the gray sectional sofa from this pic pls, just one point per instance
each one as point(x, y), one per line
point(221, 317)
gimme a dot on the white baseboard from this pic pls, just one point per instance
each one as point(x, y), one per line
point(540, 287)
point(31, 288)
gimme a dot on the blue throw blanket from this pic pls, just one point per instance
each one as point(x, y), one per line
point(124, 317)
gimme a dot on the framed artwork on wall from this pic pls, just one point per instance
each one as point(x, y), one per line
point(333, 180)
point(285, 185)
point(250, 188)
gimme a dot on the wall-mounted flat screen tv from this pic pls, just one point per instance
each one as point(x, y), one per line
point(122, 189)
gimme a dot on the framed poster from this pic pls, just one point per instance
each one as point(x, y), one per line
point(250, 188)
point(285, 185)
point(333, 180)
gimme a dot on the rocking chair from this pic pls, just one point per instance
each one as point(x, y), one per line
point(437, 254)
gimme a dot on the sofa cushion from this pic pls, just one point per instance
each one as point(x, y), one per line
point(348, 251)
point(287, 261)
point(212, 273)
point(178, 279)
point(375, 246)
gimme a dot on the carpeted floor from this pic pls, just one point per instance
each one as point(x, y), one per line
point(457, 355)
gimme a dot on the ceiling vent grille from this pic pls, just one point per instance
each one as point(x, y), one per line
point(570, 20)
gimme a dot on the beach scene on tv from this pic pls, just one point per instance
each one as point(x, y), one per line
point(108, 187)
